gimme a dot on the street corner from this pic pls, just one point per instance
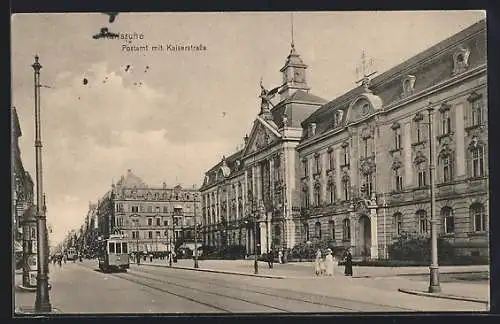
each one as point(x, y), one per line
point(443, 296)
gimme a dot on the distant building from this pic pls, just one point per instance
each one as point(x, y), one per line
point(354, 170)
point(151, 217)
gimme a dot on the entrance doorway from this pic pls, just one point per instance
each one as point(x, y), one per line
point(365, 236)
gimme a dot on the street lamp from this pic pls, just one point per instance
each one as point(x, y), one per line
point(434, 286)
point(42, 302)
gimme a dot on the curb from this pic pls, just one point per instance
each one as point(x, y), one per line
point(218, 271)
point(30, 310)
point(445, 272)
point(443, 296)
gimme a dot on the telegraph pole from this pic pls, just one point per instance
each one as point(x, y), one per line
point(42, 302)
point(195, 234)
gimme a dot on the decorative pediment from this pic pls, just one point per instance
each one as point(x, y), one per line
point(261, 136)
point(474, 96)
point(445, 151)
point(475, 143)
point(317, 184)
point(367, 132)
point(444, 107)
point(367, 167)
point(396, 164)
point(419, 158)
point(345, 176)
point(331, 180)
point(395, 126)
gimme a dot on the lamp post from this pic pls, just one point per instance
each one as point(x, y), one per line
point(195, 234)
point(42, 302)
point(385, 229)
point(434, 286)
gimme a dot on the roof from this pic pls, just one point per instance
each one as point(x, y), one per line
point(131, 180)
point(16, 127)
point(295, 113)
point(430, 67)
point(228, 165)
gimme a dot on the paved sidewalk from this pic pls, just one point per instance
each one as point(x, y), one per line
point(306, 269)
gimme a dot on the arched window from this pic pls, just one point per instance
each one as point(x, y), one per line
point(477, 161)
point(422, 175)
point(331, 225)
point(317, 230)
point(331, 192)
point(446, 168)
point(478, 217)
point(317, 195)
point(345, 188)
point(422, 221)
point(398, 223)
point(448, 220)
point(346, 230)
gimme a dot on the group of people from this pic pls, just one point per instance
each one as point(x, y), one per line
point(326, 266)
point(270, 258)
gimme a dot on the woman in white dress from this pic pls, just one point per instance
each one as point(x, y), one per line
point(329, 263)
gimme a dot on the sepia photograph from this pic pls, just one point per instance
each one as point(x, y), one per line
point(316, 162)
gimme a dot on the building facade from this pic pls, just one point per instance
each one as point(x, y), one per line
point(251, 198)
point(355, 170)
point(21, 185)
point(365, 155)
point(152, 218)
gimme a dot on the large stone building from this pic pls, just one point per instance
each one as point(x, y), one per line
point(356, 168)
point(259, 183)
point(21, 184)
point(148, 216)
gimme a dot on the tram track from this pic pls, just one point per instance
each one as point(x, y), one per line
point(216, 293)
point(314, 299)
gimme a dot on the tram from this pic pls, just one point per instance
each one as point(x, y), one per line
point(71, 254)
point(113, 254)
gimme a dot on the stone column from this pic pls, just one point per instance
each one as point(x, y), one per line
point(460, 156)
point(338, 175)
point(236, 198)
point(408, 163)
point(254, 184)
point(374, 233)
point(245, 193)
point(271, 182)
point(263, 236)
point(353, 219)
point(324, 166)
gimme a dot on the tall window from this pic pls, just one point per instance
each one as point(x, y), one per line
point(331, 192)
point(150, 222)
point(150, 234)
point(135, 209)
point(447, 168)
point(158, 234)
point(331, 225)
point(305, 198)
point(448, 220)
point(369, 184)
point(317, 167)
point(476, 105)
point(478, 216)
point(150, 209)
point(345, 152)
point(445, 122)
point(422, 221)
point(398, 180)
point(165, 209)
point(477, 155)
point(365, 149)
point(397, 138)
point(157, 209)
point(422, 175)
point(306, 231)
point(398, 223)
point(317, 230)
point(305, 169)
point(317, 195)
point(158, 222)
point(345, 188)
point(346, 230)
point(331, 160)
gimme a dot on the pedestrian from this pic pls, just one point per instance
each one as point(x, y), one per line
point(65, 258)
point(348, 263)
point(270, 259)
point(150, 257)
point(280, 256)
point(329, 263)
point(59, 260)
point(317, 263)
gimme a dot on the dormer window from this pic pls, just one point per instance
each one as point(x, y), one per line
point(408, 85)
point(337, 118)
point(312, 129)
point(461, 60)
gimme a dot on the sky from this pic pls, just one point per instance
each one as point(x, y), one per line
point(172, 115)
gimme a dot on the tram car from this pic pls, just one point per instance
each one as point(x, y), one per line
point(71, 254)
point(113, 254)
